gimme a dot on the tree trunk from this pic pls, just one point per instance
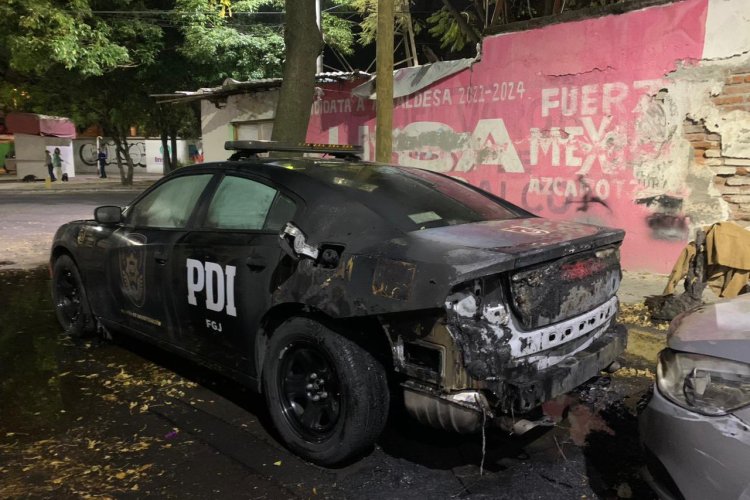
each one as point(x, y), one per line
point(409, 34)
point(480, 13)
point(166, 160)
point(122, 149)
point(173, 152)
point(303, 44)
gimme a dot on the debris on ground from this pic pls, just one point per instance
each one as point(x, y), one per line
point(640, 315)
point(718, 258)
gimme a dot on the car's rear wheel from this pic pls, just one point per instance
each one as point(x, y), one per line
point(69, 297)
point(327, 396)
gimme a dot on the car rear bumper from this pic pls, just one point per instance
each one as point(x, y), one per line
point(694, 456)
point(467, 410)
point(525, 392)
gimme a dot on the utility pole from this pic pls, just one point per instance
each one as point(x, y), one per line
point(384, 82)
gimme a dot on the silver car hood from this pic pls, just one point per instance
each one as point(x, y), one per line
point(721, 330)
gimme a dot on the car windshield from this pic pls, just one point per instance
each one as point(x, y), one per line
point(416, 199)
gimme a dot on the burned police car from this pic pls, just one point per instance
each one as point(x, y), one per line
point(333, 285)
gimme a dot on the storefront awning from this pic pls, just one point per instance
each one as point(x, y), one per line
point(33, 124)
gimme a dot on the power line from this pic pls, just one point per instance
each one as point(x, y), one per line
point(234, 13)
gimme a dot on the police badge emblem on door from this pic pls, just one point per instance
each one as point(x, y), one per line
point(133, 269)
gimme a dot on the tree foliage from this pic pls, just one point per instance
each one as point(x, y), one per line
point(39, 34)
point(445, 27)
point(368, 9)
point(337, 33)
point(459, 23)
point(246, 45)
point(98, 61)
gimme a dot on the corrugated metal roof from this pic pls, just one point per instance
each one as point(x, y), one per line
point(407, 81)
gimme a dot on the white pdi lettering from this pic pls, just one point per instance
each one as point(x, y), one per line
point(218, 284)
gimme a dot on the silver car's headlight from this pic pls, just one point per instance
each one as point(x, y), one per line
point(703, 384)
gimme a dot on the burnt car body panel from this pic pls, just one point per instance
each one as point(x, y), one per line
point(462, 304)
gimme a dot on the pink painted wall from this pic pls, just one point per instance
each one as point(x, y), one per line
point(558, 120)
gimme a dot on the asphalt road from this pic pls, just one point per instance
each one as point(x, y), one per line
point(123, 419)
point(28, 220)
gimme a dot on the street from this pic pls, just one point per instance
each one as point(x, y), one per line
point(100, 418)
point(29, 219)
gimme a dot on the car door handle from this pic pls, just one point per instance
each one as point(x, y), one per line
point(160, 258)
point(256, 262)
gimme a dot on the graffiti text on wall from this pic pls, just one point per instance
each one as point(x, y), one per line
point(88, 154)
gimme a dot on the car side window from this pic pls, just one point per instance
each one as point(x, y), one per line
point(170, 204)
point(243, 204)
point(282, 211)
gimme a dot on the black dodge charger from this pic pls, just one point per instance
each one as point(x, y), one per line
point(334, 285)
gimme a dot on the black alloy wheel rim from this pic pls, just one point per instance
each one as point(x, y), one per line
point(68, 296)
point(309, 390)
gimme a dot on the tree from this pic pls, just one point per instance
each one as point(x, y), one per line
point(458, 24)
point(214, 35)
point(102, 101)
point(69, 61)
point(39, 34)
point(247, 44)
point(106, 63)
point(303, 43)
point(405, 26)
point(97, 61)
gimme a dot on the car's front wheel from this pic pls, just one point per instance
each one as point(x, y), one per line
point(327, 396)
point(69, 298)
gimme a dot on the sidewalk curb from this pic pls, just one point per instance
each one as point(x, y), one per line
point(77, 184)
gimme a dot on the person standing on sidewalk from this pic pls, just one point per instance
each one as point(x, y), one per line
point(57, 162)
point(50, 166)
point(102, 159)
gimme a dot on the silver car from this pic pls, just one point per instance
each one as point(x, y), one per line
point(696, 428)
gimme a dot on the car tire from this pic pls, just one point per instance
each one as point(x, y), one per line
point(70, 300)
point(328, 397)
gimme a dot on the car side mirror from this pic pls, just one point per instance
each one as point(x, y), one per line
point(108, 214)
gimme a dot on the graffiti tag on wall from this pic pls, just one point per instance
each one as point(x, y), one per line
point(87, 152)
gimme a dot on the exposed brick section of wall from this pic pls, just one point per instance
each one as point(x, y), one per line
point(732, 175)
point(736, 93)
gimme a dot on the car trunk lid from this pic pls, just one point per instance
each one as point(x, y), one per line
point(557, 269)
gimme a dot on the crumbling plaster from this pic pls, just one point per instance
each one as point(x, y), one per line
point(695, 91)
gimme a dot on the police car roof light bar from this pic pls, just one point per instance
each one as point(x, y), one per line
point(344, 151)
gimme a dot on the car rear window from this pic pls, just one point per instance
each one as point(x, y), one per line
point(415, 199)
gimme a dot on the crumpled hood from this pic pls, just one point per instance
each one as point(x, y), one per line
point(721, 329)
